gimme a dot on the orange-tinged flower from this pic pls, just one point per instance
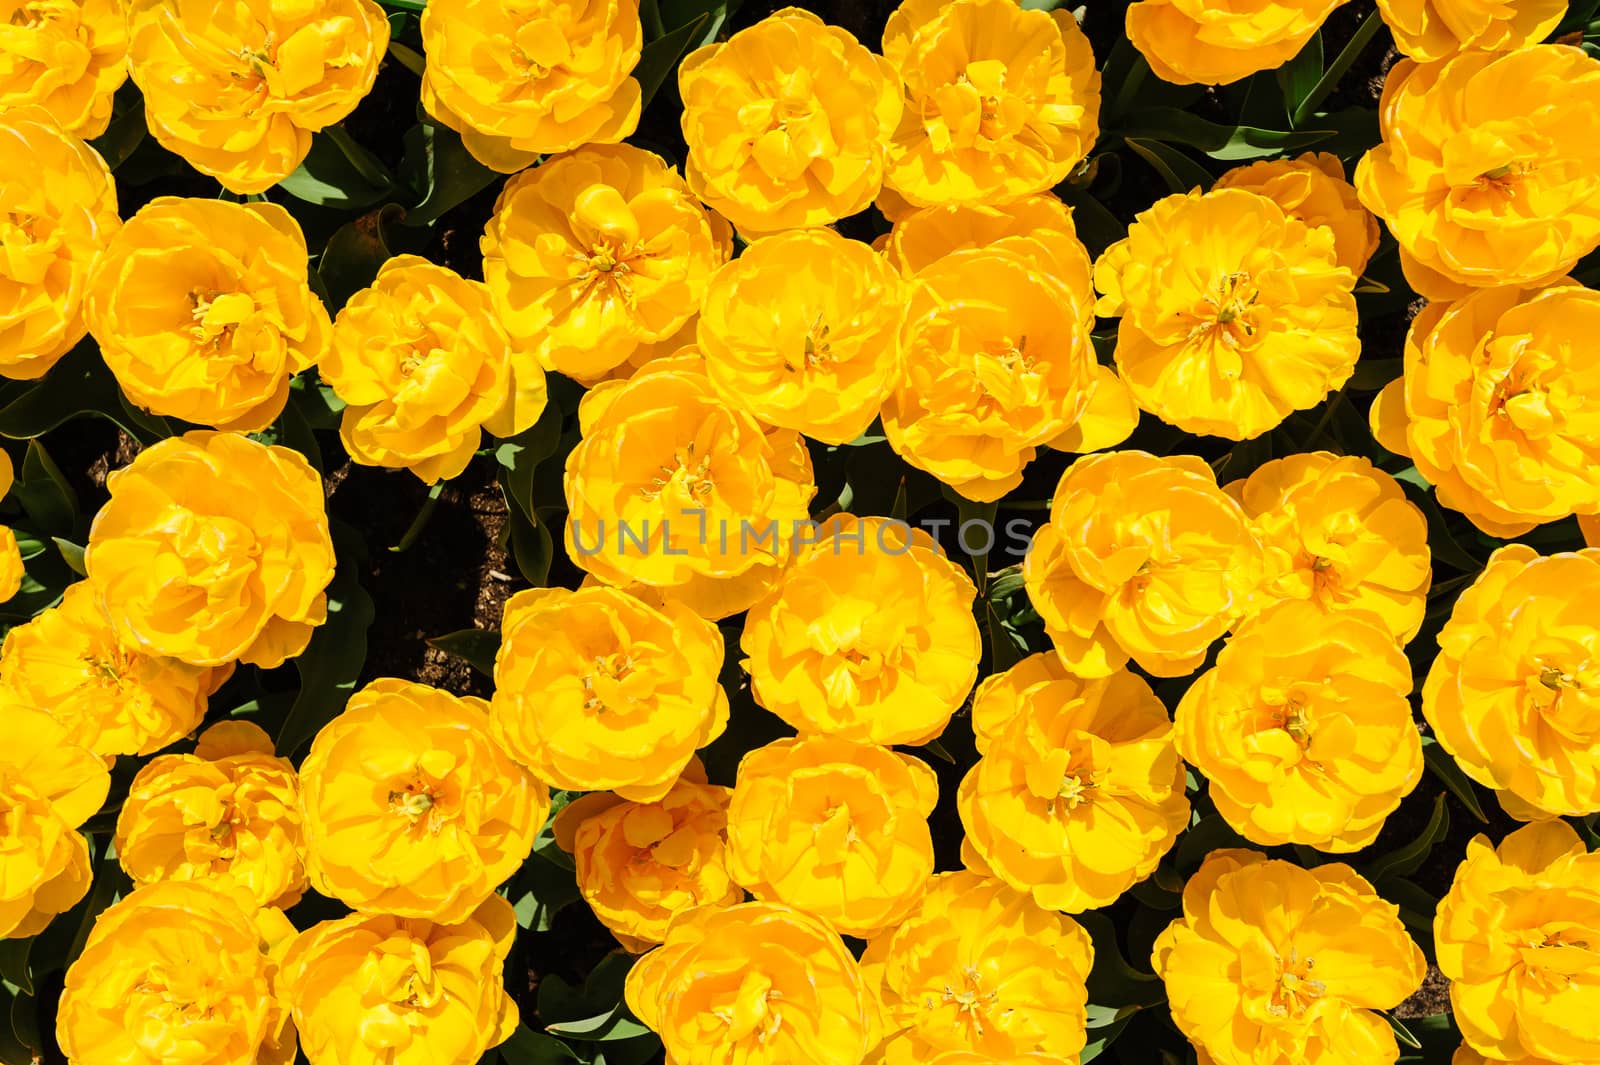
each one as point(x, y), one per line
point(1313, 189)
point(1339, 533)
point(1217, 42)
point(640, 864)
point(1499, 406)
point(377, 989)
point(982, 968)
point(203, 310)
point(528, 77)
point(760, 983)
point(835, 828)
point(423, 364)
point(787, 122)
point(1000, 101)
point(1304, 729)
point(1513, 692)
point(65, 56)
point(227, 814)
point(213, 548)
point(49, 786)
point(178, 972)
point(58, 211)
point(1489, 167)
point(674, 488)
point(1079, 791)
point(800, 330)
point(595, 254)
point(1272, 964)
point(112, 697)
point(410, 809)
point(1234, 313)
point(1516, 937)
point(1427, 30)
point(238, 88)
point(600, 690)
point(1143, 557)
point(1038, 228)
point(869, 635)
point(995, 362)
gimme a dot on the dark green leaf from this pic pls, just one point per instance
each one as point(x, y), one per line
point(1218, 141)
point(477, 647)
point(1176, 169)
point(72, 555)
point(532, 547)
point(1113, 980)
point(408, 57)
point(340, 173)
point(331, 664)
point(420, 522)
point(1337, 69)
point(78, 385)
point(14, 968)
point(122, 137)
point(1299, 76)
point(448, 173)
point(1402, 1033)
point(356, 252)
point(44, 493)
point(1405, 860)
point(1373, 374)
point(1443, 766)
point(519, 458)
point(660, 57)
point(527, 1047)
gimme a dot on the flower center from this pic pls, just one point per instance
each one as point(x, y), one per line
point(750, 1012)
point(422, 802)
point(1295, 990)
point(689, 476)
point(972, 1003)
point(1227, 315)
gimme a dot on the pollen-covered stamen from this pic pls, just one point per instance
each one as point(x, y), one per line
point(1296, 990)
point(1227, 315)
point(692, 475)
point(972, 1003)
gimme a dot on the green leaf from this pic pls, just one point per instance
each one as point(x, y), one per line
point(1405, 860)
point(408, 57)
point(420, 522)
point(532, 547)
point(14, 969)
point(519, 458)
point(477, 647)
point(1006, 647)
point(122, 137)
point(541, 889)
point(331, 664)
point(1443, 766)
point(1299, 76)
point(1402, 1033)
point(339, 173)
point(527, 1047)
point(660, 57)
point(448, 174)
point(1176, 169)
point(1341, 65)
point(1113, 980)
point(78, 385)
point(1373, 374)
point(44, 493)
point(356, 252)
point(1227, 143)
point(72, 555)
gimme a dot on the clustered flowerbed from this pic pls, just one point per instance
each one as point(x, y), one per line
point(938, 533)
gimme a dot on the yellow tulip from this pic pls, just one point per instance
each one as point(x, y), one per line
point(67, 57)
point(1217, 42)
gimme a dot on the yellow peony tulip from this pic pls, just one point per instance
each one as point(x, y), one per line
point(67, 57)
point(1489, 169)
point(995, 362)
point(1514, 693)
point(1272, 963)
point(1499, 406)
point(213, 548)
point(111, 697)
point(1000, 102)
point(238, 88)
point(203, 310)
point(1427, 30)
point(640, 864)
point(868, 636)
point(835, 828)
point(981, 968)
point(1516, 937)
point(523, 78)
point(1218, 42)
point(1339, 533)
point(799, 330)
point(178, 972)
point(1234, 313)
point(755, 984)
point(599, 690)
point(377, 989)
point(1079, 791)
point(674, 488)
point(49, 787)
point(58, 211)
point(11, 566)
point(410, 809)
point(227, 814)
point(787, 123)
point(1312, 188)
point(1143, 557)
point(1304, 729)
point(423, 364)
point(598, 253)
point(1465, 1055)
